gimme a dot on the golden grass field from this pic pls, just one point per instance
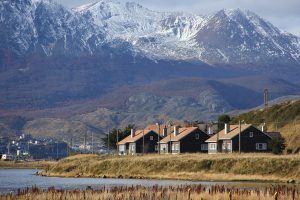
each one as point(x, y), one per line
point(219, 167)
point(193, 192)
point(26, 164)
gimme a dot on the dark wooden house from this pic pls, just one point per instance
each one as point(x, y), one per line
point(138, 142)
point(184, 140)
point(234, 138)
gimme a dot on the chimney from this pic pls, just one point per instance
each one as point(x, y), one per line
point(165, 132)
point(132, 133)
point(209, 130)
point(263, 128)
point(227, 128)
point(176, 130)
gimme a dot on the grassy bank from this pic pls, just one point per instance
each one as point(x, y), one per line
point(25, 164)
point(160, 193)
point(284, 118)
point(262, 167)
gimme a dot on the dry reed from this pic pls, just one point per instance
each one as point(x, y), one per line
point(191, 192)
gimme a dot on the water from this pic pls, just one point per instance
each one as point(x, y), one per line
point(13, 179)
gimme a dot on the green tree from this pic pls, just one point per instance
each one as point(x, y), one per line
point(121, 133)
point(222, 120)
point(277, 145)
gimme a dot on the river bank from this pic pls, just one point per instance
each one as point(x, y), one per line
point(231, 167)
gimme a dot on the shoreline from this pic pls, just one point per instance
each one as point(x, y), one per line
point(190, 167)
point(262, 181)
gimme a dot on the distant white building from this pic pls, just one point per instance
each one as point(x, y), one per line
point(6, 157)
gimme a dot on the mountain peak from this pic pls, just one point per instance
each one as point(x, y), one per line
point(113, 5)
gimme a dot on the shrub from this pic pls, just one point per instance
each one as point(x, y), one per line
point(277, 145)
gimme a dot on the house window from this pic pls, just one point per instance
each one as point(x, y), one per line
point(229, 146)
point(251, 134)
point(133, 147)
point(175, 147)
point(212, 146)
point(151, 137)
point(197, 136)
point(261, 146)
point(204, 147)
point(122, 148)
point(163, 147)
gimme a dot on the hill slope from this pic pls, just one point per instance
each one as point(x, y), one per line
point(283, 117)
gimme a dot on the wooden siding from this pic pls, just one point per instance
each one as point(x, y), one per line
point(190, 144)
point(248, 144)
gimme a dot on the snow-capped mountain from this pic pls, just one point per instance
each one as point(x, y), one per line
point(42, 26)
point(228, 36)
point(232, 37)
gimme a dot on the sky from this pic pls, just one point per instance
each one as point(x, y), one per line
point(285, 14)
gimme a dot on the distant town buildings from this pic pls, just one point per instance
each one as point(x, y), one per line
point(26, 147)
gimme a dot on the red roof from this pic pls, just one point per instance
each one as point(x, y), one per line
point(138, 135)
point(181, 134)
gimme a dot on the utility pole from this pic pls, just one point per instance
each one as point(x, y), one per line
point(117, 141)
point(266, 98)
point(158, 145)
point(56, 150)
point(143, 142)
point(8, 148)
point(240, 130)
point(170, 140)
point(217, 147)
point(92, 142)
point(28, 147)
point(108, 142)
point(84, 142)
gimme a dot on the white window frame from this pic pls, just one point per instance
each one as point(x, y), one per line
point(229, 146)
point(163, 147)
point(251, 134)
point(132, 147)
point(197, 136)
point(212, 146)
point(204, 147)
point(263, 146)
point(122, 147)
point(173, 147)
point(151, 137)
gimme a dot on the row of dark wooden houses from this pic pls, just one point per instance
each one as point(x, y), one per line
point(176, 139)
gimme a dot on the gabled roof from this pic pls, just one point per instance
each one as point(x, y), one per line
point(160, 129)
point(138, 135)
point(234, 131)
point(182, 133)
point(274, 134)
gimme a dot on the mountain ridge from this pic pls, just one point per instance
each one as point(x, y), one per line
point(58, 63)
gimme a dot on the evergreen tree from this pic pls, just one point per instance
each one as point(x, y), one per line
point(121, 133)
point(277, 145)
point(222, 120)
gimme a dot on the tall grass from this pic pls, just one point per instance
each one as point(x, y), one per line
point(26, 164)
point(192, 192)
point(186, 166)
